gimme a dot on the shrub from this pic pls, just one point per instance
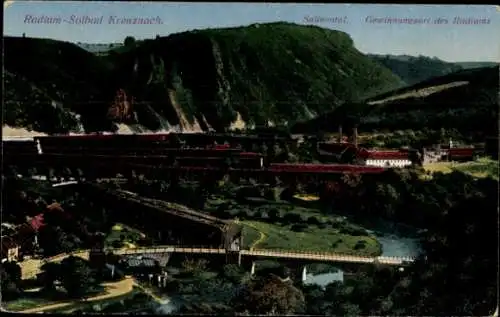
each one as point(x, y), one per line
point(299, 227)
point(361, 244)
point(353, 231)
point(313, 220)
point(292, 218)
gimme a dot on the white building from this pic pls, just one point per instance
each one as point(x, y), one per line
point(388, 159)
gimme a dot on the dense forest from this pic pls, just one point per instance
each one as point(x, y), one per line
point(465, 102)
point(415, 69)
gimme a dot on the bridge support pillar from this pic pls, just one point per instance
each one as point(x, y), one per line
point(233, 257)
point(304, 274)
point(162, 280)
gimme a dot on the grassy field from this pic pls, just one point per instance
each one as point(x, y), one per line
point(250, 236)
point(101, 304)
point(333, 234)
point(26, 303)
point(311, 239)
point(480, 168)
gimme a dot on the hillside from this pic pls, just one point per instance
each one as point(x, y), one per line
point(467, 65)
point(49, 84)
point(465, 101)
point(272, 73)
point(415, 69)
point(99, 48)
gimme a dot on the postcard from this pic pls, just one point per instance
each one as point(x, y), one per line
point(250, 158)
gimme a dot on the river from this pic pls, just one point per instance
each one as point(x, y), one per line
point(395, 239)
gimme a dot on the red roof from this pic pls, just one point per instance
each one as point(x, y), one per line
point(362, 153)
point(55, 207)
point(461, 151)
point(222, 146)
point(388, 155)
point(308, 167)
point(250, 154)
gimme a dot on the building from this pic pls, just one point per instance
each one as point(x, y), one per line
point(461, 154)
point(10, 249)
point(26, 235)
point(388, 158)
point(140, 265)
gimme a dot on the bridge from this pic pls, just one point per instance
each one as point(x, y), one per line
point(89, 168)
point(276, 254)
point(168, 220)
point(29, 270)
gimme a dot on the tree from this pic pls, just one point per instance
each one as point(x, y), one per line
point(77, 276)
point(274, 215)
point(54, 240)
point(129, 41)
point(10, 274)
point(233, 272)
point(50, 274)
point(270, 295)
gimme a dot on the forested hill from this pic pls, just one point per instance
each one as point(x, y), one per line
point(260, 74)
point(415, 69)
point(263, 73)
point(465, 101)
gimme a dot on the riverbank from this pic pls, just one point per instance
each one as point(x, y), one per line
point(312, 238)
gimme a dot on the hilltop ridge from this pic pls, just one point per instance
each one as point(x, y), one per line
point(263, 74)
point(465, 101)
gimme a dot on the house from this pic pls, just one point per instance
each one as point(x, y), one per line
point(10, 249)
point(388, 158)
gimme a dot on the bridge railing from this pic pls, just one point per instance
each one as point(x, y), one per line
point(327, 255)
point(207, 250)
point(166, 248)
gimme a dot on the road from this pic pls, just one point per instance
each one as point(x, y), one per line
point(31, 268)
point(261, 239)
point(113, 289)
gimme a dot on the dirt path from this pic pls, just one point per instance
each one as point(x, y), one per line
point(30, 268)
point(150, 293)
point(113, 289)
point(258, 241)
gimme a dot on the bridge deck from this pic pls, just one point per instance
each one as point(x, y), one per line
point(226, 226)
point(299, 255)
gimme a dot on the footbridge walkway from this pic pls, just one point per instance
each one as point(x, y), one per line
point(301, 255)
point(29, 271)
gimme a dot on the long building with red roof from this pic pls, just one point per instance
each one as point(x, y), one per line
point(388, 158)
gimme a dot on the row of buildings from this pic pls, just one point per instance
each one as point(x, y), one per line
point(343, 150)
